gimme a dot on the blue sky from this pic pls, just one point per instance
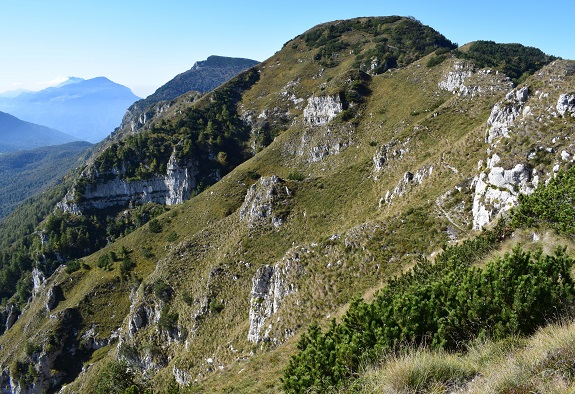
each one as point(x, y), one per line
point(143, 44)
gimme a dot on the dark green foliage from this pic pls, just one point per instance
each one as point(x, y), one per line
point(126, 265)
point(172, 237)
point(253, 175)
point(127, 221)
point(215, 306)
point(118, 378)
point(188, 299)
point(400, 41)
point(296, 176)
point(514, 60)
point(163, 291)
point(26, 173)
point(552, 206)
point(443, 305)
point(23, 372)
point(197, 137)
point(73, 266)
point(105, 262)
point(435, 60)
point(155, 226)
point(168, 321)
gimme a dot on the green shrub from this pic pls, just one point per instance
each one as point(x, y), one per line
point(550, 206)
point(126, 266)
point(296, 176)
point(155, 226)
point(215, 306)
point(73, 266)
point(168, 321)
point(514, 60)
point(435, 60)
point(163, 291)
point(105, 262)
point(442, 305)
point(173, 236)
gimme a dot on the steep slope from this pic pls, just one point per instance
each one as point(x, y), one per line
point(360, 145)
point(16, 134)
point(203, 77)
point(25, 173)
point(86, 109)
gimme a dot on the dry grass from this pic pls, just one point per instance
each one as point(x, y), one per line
point(543, 363)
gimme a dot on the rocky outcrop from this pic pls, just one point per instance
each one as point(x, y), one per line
point(263, 202)
point(54, 295)
point(385, 153)
point(408, 181)
point(503, 115)
point(12, 314)
point(321, 110)
point(44, 370)
point(453, 80)
point(270, 286)
point(566, 104)
point(497, 190)
point(462, 79)
point(172, 188)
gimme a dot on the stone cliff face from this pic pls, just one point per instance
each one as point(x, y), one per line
point(270, 286)
point(540, 117)
point(172, 188)
point(263, 200)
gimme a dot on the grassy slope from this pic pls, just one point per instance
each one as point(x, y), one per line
point(338, 197)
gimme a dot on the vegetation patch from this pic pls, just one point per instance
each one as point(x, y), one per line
point(444, 305)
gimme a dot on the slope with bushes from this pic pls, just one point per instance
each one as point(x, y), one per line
point(361, 158)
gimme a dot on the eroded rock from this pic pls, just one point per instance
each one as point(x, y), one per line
point(270, 285)
point(321, 110)
point(503, 115)
point(172, 188)
point(497, 190)
point(263, 200)
point(565, 104)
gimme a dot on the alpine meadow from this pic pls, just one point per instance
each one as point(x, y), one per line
point(372, 209)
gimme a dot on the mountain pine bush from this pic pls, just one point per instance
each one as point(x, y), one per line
point(442, 305)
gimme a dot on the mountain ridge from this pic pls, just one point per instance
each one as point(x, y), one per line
point(204, 76)
point(87, 109)
point(17, 134)
point(364, 152)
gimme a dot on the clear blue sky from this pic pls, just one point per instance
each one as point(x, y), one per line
point(142, 44)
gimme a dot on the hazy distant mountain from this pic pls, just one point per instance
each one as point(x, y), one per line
point(86, 109)
point(13, 93)
point(26, 173)
point(16, 134)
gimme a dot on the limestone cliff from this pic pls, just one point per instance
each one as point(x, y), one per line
point(171, 188)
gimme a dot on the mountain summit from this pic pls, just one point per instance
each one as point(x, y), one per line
point(86, 109)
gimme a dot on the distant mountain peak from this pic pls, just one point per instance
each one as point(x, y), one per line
point(69, 81)
point(88, 109)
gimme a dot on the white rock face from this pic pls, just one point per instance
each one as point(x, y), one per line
point(38, 278)
point(566, 103)
point(321, 110)
point(503, 115)
point(172, 188)
point(408, 181)
point(497, 190)
point(261, 200)
point(454, 80)
point(270, 285)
